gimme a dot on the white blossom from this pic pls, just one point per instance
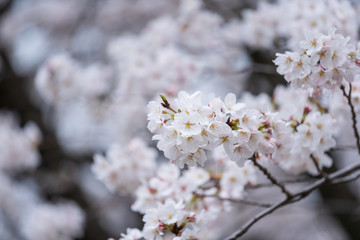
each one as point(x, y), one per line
point(328, 60)
point(18, 146)
point(124, 168)
point(60, 221)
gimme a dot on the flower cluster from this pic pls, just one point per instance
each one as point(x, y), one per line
point(187, 127)
point(131, 234)
point(123, 169)
point(303, 130)
point(325, 62)
point(61, 221)
point(292, 135)
point(168, 183)
point(62, 79)
point(303, 148)
point(170, 220)
point(18, 146)
point(234, 180)
point(266, 25)
point(176, 205)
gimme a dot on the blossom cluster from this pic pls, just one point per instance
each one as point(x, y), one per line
point(326, 61)
point(62, 79)
point(187, 127)
point(53, 221)
point(18, 146)
point(290, 134)
point(180, 206)
point(170, 221)
point(125, 168)
point(304, 131)
point(266, 25)
point(168, 183)
point(176, 205)
point(234, 179)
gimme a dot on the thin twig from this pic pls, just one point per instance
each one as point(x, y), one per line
point(320, 171)
point(353, 115)
point(332, 178)
point(346, 179)
point(242, 201)
point(283, 182)
point(271, 177)
point(343, 148)
point(346, 171)
point(259, 216)
point(259, 68)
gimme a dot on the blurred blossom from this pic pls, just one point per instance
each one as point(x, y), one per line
point(18, 146)
point(31, 48)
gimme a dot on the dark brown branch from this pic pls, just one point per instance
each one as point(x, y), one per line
point(320, 171)
point(242, 201)
point(346, 171)
point(346, 179)
point(259, 216)
point(353, 115)
point(283, 182)
point(343, 148)
point(332, 178)
point(270, 177)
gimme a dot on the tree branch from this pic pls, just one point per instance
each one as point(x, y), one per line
point(283, 182)
point(347, 179)
point(321, 172)
point(353, 115)
point(270, 177)
point(334, 178)
point(343, 148)
point(242, 201)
